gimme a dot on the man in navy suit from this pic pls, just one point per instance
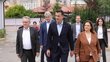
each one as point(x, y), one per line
point(60, 39)
point(43, 34)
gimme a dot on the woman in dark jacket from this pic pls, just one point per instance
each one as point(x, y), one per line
point(102, 36)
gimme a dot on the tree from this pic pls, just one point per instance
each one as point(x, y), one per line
point(46, 4)
point(92, 4)
point(104, 7)
point(100, 6)
point(56, 7)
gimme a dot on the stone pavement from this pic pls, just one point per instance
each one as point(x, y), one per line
point(7, 48)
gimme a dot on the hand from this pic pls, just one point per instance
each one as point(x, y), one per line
point(48, 53)
point(77, 59)
point(37, 54)
point(41, 46)
point(107, 46)
point(18, 55)
point(71, 53)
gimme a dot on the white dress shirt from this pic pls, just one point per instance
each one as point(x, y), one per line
point(77, 29)
point(59, 28)
point(100, 32)
point(26, 39)
point(48, 24)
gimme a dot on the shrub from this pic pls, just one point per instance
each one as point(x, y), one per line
point(31, 14)
point(86, 14)
point(2, 33)
point(19, 11)
point(16, 11)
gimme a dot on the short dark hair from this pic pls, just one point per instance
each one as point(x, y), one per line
point(35, 22)
point(91, 24)
point(60, 11)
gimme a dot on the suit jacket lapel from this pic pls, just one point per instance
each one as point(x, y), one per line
point(75, 28)
point(45, 26)
point(80, 27)
point(56, 30)
point(87, 40)
point(31, 31)
point(84, 35)
point(96, 29)
point(21, 32)
point(92, 39)
point(63, 29)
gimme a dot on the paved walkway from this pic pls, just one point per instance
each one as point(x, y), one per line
point(7, 48)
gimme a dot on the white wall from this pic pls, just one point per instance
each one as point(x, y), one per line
point(18, 21)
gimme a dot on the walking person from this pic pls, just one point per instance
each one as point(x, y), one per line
point(27, 45)
point(60, 39)
point(87, 48)
point(43, 35)
point(101, 30)
point(76, 28)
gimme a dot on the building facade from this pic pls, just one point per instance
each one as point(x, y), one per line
point(31, 4)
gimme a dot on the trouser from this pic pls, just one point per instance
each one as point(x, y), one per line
point(102, 45)
point(59, 56)
point(43, 52)
point(27, 56)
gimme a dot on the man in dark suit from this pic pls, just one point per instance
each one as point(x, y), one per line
point(27, 45)
point(43, 35)
point(60, 38)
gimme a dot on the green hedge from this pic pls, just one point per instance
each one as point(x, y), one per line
point(2, 33)
point(19, 11)
point(85, 15)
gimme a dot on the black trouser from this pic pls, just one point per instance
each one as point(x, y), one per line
point(27, 56)
point(75, 55)
point(102, 45)
point(59, 56)
point(49, 59)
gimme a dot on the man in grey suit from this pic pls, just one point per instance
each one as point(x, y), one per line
point(76, 28)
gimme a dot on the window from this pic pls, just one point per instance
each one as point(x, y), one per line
point(77, 2)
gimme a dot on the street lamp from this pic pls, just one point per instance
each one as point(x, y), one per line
point(2, 19)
